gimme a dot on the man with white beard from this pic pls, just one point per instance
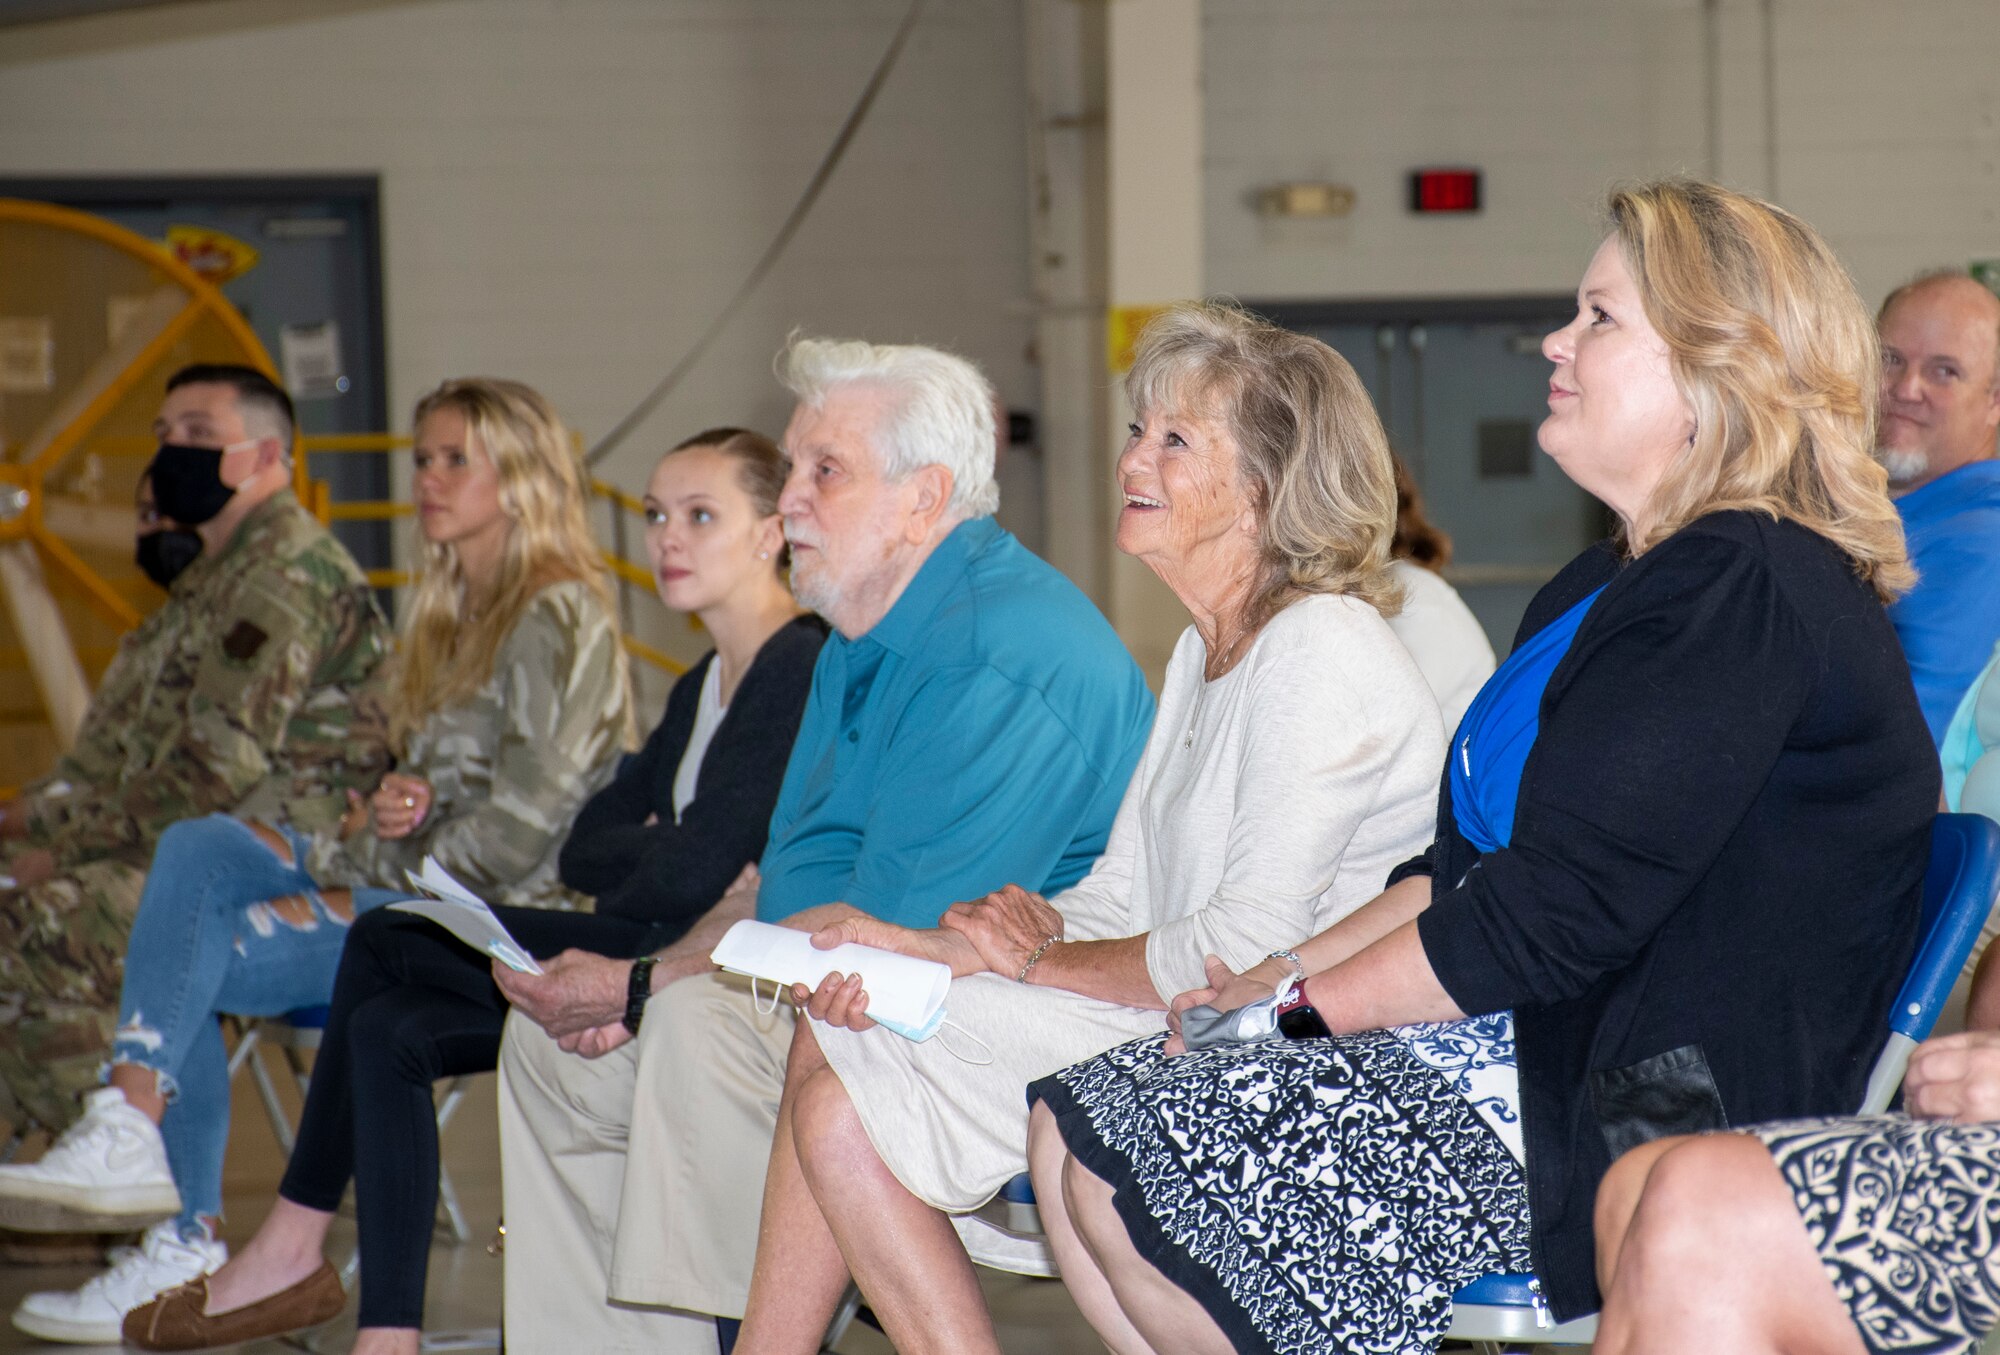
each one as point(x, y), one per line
point(972, 722)
point(1940, 408)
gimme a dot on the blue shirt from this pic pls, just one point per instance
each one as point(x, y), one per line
point(1950, 621)
point(981, 734)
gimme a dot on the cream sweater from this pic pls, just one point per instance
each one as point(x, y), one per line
point(1268, 804)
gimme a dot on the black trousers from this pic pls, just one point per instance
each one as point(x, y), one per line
point(411, 1004)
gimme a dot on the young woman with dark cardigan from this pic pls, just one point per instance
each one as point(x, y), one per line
point(656, 848)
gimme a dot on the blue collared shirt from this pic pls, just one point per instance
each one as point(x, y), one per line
point(981, 734)
point(1950, 621)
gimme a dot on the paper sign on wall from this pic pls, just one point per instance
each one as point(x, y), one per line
point(310, 355)
point(27, 354)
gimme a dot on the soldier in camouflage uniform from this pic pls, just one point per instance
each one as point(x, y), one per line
point(237, 696)
point(508, 706)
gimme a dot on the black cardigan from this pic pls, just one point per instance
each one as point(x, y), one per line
point(1712, 888)
point(670, 873)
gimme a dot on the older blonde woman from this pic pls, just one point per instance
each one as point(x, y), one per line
point(1289, 767)
point(1681, 844)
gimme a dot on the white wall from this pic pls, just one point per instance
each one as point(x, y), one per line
point(571, 188)
point(1888, 119)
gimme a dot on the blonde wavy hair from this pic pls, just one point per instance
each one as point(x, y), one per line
point(1312, 449)
point(444, 655)
point(1777, 357)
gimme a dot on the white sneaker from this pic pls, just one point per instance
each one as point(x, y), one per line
point(94, 1314)
point(106, 1174)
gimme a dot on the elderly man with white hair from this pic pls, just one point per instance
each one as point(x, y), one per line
point(973, 721)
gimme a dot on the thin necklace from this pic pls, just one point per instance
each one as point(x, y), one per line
point(1221, 663)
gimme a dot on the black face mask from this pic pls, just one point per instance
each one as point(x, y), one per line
point(165, 553)
point(187, 483)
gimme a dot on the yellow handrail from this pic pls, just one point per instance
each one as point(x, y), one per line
point(629, 572)
point(363, 510)
point(617, 496)
point(353, 442)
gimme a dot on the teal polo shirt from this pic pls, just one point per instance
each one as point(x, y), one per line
point(981, 734)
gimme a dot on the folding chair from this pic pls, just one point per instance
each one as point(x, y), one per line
point(296, 1034)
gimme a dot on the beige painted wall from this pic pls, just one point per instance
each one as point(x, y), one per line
point(1888, 122)
point(571, 190)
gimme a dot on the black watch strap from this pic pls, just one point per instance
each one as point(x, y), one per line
point(1298, 1019)
point(637, 989)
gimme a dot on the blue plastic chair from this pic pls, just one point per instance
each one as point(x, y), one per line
point(1960, 886)
point(1959, 891)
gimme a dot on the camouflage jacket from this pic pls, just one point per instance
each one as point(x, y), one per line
point(235, 696)
point(510, 767)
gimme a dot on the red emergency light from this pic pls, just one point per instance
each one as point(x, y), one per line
point(1444, 190)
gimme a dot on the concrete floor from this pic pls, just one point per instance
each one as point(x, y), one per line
point(1033, 1317)
point(464, 1296)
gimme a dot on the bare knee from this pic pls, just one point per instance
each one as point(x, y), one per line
point(1716, 1246)
point(1618, 1199)
point(1703, 1191)
point(826, 1131)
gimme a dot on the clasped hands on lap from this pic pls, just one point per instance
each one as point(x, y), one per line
point(997, 934)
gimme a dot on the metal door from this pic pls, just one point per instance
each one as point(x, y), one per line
point(315, 289)
point(1462, 386)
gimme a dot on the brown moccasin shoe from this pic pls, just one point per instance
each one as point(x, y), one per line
point(175, 1320)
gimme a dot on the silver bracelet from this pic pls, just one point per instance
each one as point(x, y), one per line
point(1291, 957)
point(1040, 951)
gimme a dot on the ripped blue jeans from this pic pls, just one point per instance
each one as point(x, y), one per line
point(208, 940)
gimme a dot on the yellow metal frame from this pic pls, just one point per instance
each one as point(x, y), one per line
point(314, 493)
point(205, 300)
point(32, 475)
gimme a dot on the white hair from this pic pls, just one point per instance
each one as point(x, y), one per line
point(943, 412)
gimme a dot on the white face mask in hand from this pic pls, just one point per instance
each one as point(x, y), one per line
point(915, 1034)
point(1204, 1027)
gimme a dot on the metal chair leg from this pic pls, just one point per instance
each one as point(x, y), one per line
point(267, 1092)
point(843, 1318)
point(247, 1039)
point(448, 1104)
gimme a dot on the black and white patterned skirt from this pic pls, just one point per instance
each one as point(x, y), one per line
point(1905, 1215)
point(1325, 1195)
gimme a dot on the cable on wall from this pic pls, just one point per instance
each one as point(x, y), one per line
point(775, 250)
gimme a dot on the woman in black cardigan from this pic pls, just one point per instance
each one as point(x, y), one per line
point(1676, 880)
point(656, 848)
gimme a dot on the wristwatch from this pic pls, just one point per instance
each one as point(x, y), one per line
point(1297, 1018)
point(637, 989)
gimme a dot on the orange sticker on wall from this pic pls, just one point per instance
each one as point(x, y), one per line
point(1122, 333)
point(218, 257)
